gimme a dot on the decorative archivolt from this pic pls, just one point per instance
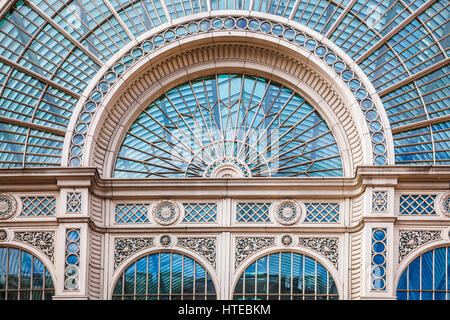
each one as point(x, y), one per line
point(321, 54)
point(208, 59)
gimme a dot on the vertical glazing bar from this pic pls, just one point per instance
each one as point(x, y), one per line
point(134, 284)
point(182, 278)
point(432, 274)
point(279, 276)
point(159, 274)
point(146, 277)
point(194, 278)
point(292, 275)
point(303, 277)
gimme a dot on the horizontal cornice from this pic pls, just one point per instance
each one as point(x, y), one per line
point(48, 179)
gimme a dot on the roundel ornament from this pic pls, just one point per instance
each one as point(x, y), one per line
point(8, 206)
point(287, 212)
point(166, 212)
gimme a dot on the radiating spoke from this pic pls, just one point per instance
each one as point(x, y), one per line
point(251, 126)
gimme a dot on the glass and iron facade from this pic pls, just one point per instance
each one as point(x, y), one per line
point(204, 149)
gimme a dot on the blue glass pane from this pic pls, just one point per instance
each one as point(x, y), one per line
point(427, 271)
point(274, 273)
point(142, 16)
point(264, 126)
point(439, 269)
point(414, 275)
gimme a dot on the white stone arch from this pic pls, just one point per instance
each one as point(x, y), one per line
point(49, 265)
point(415, 254)
point(112, 280)
point(312, 62)
point(304, 251)
point(306, 82)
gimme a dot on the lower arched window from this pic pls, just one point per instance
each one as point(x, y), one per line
point(164, 276)
point(23, 276)
point(286, 276)
point(427, 277)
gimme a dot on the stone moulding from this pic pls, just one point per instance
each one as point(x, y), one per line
point(44, 241)
point(410, 240)
point(246, 246)
point(301, 38)
point(245, 56)
point(204, 246)
point(327, 247)
point(125, 247)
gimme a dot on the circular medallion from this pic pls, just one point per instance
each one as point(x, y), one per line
point(445, 204)
point(165, 240)
point(166, 212)
point(8, 206)
point(287, 212)
point(3, 235)
point(286, 240)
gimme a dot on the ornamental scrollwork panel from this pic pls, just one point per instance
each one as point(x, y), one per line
point(410, 240)
point(125, 247)
point(246, 246)
point(44, 241)
point(206, 247)
point(327, 247)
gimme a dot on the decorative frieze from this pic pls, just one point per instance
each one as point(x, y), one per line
point(125, 247)
point(246, 246)
point(327, 247)
point(206, 247)
point(44, 241)
point(409, 240)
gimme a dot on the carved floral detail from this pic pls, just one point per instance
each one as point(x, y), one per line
point(409, 240)
point(206, 247)
point(327, 247)
point(246, 246)
point(8, 205)
point(44, 241)
point(125, 247)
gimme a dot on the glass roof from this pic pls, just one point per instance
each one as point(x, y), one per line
point(257, 126)
point(50, 50)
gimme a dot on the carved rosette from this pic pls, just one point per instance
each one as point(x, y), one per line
point(43, 241)
point(166, 212)
point(445, 204)
point(165, 240)
point(246, 246)
point(327, 247)
point(8, 206)
point(3, 235)
point(287, 212)
point(286, 240)
point(206, 247)
point(125, 247)
point(409, 240)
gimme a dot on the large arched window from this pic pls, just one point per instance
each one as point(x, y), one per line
point(286, 276)
point(427, 277)
point(23, 276)
point(164, 276)
point(246, 124)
